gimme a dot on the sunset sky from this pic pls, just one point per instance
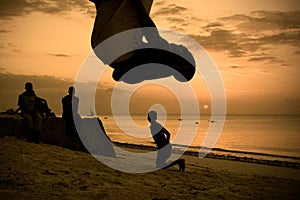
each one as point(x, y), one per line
point(254, 43)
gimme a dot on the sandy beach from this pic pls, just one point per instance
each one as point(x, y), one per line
point(42, 171)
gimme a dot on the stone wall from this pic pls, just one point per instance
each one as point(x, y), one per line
point(54, 132)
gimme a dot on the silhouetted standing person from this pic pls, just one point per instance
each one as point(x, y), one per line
point(161, 137)
point(70, 104)
point(27, 103)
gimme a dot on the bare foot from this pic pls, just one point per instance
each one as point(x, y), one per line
point(181, 164)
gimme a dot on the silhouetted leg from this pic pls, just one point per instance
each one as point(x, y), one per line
point(168, 56)
point(28, 120)
point(180, 163)
point(163, 153)
point(29, 126)
point(108, 25)
point(148, 55)
point(171, 164)
point(38, 120)
point(96, 2)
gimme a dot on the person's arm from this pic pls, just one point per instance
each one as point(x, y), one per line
point(20, 104)
point(166, 132)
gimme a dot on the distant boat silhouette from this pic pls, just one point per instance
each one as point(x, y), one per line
point(211, 121)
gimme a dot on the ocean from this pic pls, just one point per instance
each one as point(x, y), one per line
point(255, 136)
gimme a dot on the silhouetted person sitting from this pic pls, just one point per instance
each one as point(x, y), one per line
point(43, 108)
point(161, 137)
point(27, 103)
point(116, 16)
point(70, 110)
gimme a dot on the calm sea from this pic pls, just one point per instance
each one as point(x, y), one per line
point(267, 137)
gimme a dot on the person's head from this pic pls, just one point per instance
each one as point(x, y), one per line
point(152, 116)
point(71, 90)
point(28, 86)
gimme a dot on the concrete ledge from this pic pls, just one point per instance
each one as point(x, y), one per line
point(54, 132)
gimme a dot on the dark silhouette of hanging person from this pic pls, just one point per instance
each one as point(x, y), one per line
point(70, 114)
point(161, 137)
point(116, 16)
point(28, 104)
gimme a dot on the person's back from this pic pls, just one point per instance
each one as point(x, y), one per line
point(69, 103)
point(27, 99)
point(158, 134)
point(33, 120)
point(43, 109)
point(70, 113)
point(67, 106)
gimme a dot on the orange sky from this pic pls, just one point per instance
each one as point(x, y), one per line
point(254, 43)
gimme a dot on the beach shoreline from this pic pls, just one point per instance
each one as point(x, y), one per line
point(279, 163)
point(54, 132)
point(37, 171)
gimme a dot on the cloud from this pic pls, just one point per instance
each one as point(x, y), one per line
point(284, 20)
point(265, 72)
point(13, 8)
point(237, 35)
point(297, 52)
point(241, 35)
point(236, 67)
point(171, 9)
point(268, 27)
point(223, 40)
point(12, 82)
point(58, 55)
point(292, 100)
point(213, 25)
point(263, 58)
point(9, 48)
point(292, 38)
point(172, 14)
point(49, 87)
point(158, 3)
point(175, 20)
point(237, 18)
point(265, 20)
point(4, 31)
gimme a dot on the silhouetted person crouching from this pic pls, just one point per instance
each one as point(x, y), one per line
point(161, 137)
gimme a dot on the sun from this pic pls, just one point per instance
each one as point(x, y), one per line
point(205, 107)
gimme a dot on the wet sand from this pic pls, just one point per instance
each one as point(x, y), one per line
point(42, 171)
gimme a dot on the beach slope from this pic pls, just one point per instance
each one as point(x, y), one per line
point(42, 171)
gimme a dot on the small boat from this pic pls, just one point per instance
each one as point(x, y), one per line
point(212, 121)
point(91, 114)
